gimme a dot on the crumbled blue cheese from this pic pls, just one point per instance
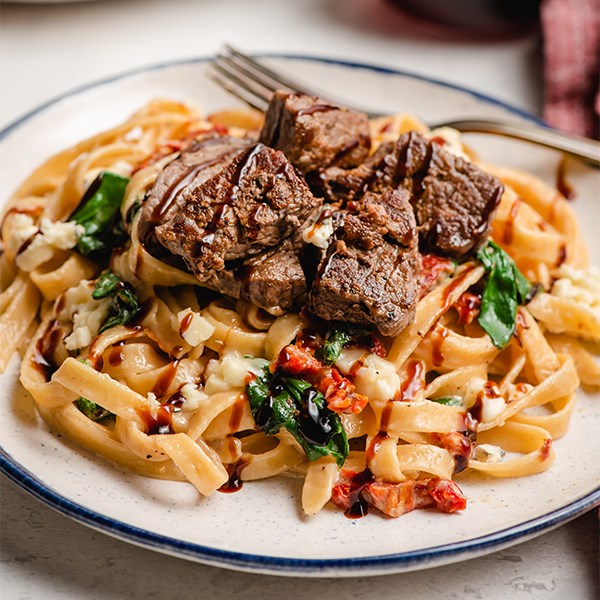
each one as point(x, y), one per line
point(50, 236)
point(472, 390)
point(492, 407)
point(86, 314)
point(197, 328)
point(319, 233)
point(375, 377)
point(22, 228)
point(193, 397)
point(489, 453)
point(578, 285)
point(231, 371)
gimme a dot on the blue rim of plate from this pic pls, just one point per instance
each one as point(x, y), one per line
point(282, 565)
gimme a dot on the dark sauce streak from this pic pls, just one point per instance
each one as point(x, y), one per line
point(43, 355)
point(375, 444)
point(185, 323)
point(165, 379)
point(358, 505)
point(234, 483)
point(116, 355)
point(237, 412)
point(414, 382)
point(474, 414)
point(185, 179)
point(386, 415)
point(460, 463)
point(223, 209)
point(440, 334)
point(316, 108)
point(161, 422)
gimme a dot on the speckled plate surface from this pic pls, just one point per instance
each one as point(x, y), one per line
point(261, 528)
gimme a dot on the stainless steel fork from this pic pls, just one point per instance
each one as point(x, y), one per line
point(254, 84)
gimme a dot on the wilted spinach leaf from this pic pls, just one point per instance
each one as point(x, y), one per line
point(124, 304)
point(505, 288)
point(277, 401)
point(100, 216)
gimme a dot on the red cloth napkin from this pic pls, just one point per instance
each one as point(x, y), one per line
point(571, 30)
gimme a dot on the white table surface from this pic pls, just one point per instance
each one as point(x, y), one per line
point(47, 49)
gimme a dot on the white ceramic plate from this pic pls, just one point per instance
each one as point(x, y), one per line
point(261, 528)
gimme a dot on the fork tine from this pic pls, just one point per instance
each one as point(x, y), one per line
point(250, 74)
point(277, 80)
point(247, 84)
point(250, 78)
point(246, 96)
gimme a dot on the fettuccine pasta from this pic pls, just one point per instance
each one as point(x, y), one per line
point(165, 393)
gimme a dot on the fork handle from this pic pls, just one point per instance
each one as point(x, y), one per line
point(579, 147)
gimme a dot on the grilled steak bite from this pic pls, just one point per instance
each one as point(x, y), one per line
point(370, 272)
point(252, 204)
point(314, 134)
point(453, 199)
point(273, 280)
point(198, 162)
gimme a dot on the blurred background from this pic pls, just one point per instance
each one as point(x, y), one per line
point(541, 56)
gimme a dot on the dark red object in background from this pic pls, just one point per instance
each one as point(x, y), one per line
point(482, 20)
point(571, 30)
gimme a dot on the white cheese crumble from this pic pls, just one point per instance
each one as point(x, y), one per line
point(319, 233)
point(578, 285)
point(377, 378)
point(472, 389)
point(51, 235)
point(86, 314)
point(22, 228)
point(193, 327)
point(231, 371)
point(489, 453)
point(192, 396)
point(492, 407)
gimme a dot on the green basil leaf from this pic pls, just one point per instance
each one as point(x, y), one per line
point(92, 410)
point(505, 288)
point(124, 304)
point(99, 215)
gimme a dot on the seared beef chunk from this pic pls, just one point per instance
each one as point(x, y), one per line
point(198, 162)
point(313, 134)
point(369, 273)
point(452, 198)
point(375, 173)
point(273, 280)
point(253, 203)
